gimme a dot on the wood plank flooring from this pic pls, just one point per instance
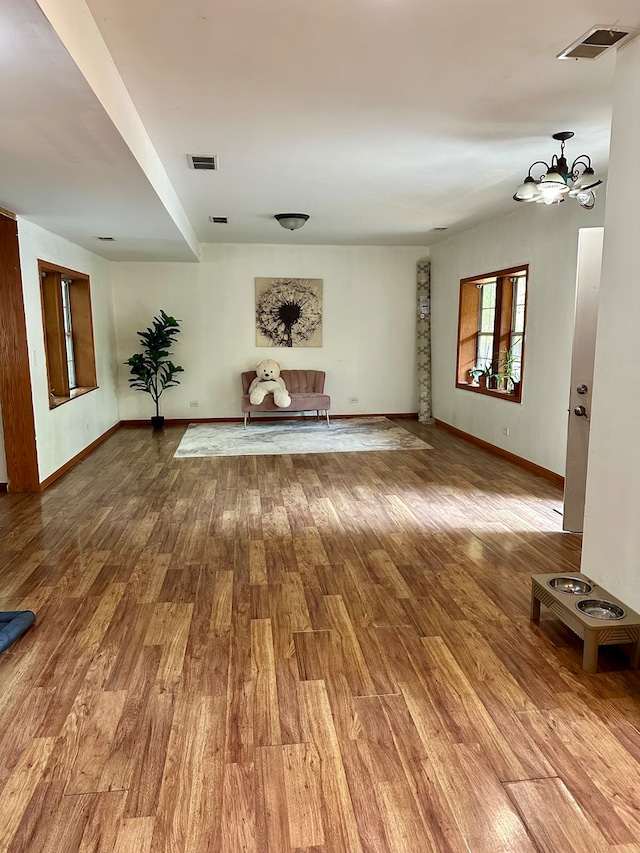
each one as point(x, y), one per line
point(303, 653)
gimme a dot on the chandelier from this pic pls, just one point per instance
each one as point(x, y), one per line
point(558, 180)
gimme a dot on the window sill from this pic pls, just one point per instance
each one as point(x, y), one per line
point(54, 402)
point(491, 392)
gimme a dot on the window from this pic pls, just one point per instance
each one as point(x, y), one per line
point(68, 332)
point(491, 329)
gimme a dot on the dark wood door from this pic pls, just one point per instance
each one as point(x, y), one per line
point(15, 376)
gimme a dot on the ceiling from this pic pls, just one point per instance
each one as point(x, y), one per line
point(381, 119)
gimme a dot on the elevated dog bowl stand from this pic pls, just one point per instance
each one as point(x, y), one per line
point(594, 632)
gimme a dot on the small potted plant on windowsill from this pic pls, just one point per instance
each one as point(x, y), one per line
point(484, 376)
point(152, 370)
point(474, 375)
point(507, 369)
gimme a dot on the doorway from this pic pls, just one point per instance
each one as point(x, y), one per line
point(584, 343)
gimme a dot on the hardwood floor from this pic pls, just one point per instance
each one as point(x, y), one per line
point(305, 653)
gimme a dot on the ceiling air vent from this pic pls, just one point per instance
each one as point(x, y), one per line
point(201, 162)
point(596, 41)
point(107, 239)
point(218, 220)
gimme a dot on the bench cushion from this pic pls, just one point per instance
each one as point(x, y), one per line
point(305, 387)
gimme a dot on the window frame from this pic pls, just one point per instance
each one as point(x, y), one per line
point(469, 328)
point(54, 329)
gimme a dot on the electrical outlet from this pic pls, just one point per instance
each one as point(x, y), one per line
point(505, 430)
point(194, 404)
point(353, 399)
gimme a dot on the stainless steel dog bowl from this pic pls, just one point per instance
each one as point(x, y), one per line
point(598, 608)
point(572, 586)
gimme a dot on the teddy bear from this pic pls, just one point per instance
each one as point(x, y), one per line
point(269, 381)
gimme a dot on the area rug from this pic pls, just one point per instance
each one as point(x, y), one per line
point(271, 438)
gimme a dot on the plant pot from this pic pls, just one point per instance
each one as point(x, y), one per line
point(493, 383)
point(157, 422)
point(482, 381)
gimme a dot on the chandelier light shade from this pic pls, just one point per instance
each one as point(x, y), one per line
point(292, 221)
point(556, 180)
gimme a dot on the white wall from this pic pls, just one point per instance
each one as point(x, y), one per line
point(611, 550)
point(369, 325)
point(547, 239)
point(65, 431)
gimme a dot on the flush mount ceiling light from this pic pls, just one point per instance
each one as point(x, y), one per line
point(559, 180)
point(292, 221)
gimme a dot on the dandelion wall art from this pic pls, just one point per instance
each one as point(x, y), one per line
point(289, 312)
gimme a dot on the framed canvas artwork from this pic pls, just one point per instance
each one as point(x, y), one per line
point(288, 312)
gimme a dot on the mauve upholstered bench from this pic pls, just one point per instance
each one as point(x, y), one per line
point(305, 387)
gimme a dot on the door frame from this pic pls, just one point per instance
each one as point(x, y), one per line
point(15, 375)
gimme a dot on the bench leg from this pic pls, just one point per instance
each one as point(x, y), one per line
point(535, 608)
point(326, 411)
point(246, 416)
point(590, 652)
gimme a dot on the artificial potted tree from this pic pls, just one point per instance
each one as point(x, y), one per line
point(152, 370)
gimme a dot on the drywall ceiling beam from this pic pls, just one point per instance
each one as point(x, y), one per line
point(78, 31)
